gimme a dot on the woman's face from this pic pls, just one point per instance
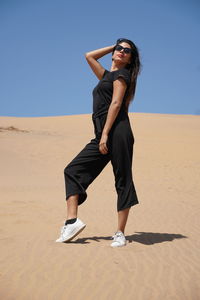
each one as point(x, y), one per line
point(121, 55)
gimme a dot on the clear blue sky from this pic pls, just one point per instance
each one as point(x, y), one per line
point(43, 71)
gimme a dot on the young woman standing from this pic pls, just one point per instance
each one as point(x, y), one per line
point(113, 138)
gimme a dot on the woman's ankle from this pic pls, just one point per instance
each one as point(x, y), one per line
point(70, 221)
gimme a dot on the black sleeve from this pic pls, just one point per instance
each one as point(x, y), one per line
point(123, 73)
point(105, 72)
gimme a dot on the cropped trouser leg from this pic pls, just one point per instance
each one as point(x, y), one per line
point(83, 169)
point(121, 151)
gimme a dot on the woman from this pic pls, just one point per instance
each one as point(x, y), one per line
point(113, 139)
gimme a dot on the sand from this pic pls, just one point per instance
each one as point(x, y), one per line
point(162, 258)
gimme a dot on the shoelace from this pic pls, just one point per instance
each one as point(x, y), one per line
point(116, 235)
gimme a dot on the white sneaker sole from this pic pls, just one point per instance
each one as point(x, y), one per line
point(73, 235)
point(117, 244)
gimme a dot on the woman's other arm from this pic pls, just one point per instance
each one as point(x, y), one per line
point(92, 59)
point(119, 89)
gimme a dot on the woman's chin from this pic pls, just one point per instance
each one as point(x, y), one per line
point(120, 63)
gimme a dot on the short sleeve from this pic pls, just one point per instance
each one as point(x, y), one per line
point(123, 73)
point(105, 72)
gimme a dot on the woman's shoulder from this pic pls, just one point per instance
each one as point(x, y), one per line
point(105, 72)
point(123, 73)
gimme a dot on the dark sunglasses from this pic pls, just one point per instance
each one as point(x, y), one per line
point(126, 50)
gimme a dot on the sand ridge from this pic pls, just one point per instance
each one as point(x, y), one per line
point(161, 260)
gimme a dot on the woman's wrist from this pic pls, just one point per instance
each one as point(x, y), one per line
point(113, 47)
point(105, 132)
point(96, 54)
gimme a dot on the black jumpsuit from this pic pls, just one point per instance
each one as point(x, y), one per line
point(89, 163)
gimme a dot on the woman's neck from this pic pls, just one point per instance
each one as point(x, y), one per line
point(116, 66)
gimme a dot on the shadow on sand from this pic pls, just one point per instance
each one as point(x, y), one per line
point(145, 238)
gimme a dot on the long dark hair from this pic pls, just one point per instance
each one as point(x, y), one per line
point(134, 67)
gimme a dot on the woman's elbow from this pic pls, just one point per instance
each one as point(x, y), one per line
point(116, 105)
point(87, 55)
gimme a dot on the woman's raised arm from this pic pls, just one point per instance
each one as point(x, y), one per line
point(92, 59)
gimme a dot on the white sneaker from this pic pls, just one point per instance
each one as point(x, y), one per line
point(119, 239)
point(69, 231)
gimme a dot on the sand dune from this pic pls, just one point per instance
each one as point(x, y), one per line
point(162, 258)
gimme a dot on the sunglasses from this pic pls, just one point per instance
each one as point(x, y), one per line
point(126, 50)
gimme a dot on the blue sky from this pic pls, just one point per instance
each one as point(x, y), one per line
point(43, 71)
